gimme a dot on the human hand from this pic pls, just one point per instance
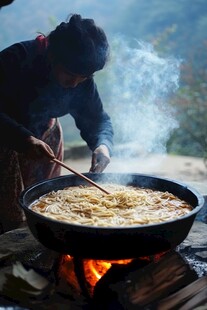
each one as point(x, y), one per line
point(100, 159)
point(38, 149)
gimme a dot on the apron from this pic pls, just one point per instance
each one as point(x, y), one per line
point(17, 173)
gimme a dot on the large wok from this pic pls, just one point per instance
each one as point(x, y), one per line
point(111, 242)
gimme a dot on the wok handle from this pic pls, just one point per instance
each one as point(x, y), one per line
point(80, 175)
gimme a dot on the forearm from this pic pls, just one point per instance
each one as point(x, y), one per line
point(97, 133)
point(12, 134)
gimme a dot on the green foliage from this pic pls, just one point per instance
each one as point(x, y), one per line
point(191, 106)
point(146, 20)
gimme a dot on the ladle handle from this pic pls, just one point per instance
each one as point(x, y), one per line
point(80, 175)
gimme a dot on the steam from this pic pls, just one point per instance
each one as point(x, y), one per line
point(141, 84)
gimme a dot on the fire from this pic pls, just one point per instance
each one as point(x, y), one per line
point(92, 270)
point(95, 269)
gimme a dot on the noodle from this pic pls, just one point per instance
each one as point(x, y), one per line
point(125, 206)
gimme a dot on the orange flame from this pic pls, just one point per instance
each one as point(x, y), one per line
point(93, 269)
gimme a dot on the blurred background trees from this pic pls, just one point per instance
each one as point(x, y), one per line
point(191, 106)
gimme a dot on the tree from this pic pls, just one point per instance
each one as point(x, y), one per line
point(191, 106)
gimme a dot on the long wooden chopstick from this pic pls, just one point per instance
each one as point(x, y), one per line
point(80, 175)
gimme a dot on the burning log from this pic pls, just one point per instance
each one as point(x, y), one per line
point(155, 281)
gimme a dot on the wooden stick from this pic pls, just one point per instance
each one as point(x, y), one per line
point(80, 175)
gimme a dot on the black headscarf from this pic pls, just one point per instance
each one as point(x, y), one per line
point(79, 45)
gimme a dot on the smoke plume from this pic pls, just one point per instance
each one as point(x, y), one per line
point(141, 84)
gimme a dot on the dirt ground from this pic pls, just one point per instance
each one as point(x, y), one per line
point(190, 170)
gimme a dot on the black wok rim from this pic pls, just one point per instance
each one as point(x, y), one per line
point(192, 213)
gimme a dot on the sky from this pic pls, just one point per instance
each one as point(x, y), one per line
point(23, 18)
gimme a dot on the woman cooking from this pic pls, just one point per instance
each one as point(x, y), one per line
point(40, 81)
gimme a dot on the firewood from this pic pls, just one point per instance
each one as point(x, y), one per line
point(186, 298)
point(158, 280)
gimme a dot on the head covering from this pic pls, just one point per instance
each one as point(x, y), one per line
point(79, 45)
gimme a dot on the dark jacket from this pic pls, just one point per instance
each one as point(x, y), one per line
point(29, 98)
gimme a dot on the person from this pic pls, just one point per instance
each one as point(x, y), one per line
point(5, 2)
point(42, 80)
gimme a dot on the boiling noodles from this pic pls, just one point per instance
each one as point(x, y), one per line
point(124, 206)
